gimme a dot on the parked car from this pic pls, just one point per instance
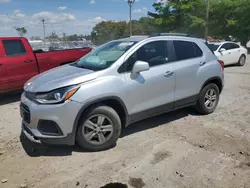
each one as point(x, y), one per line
point(229, 52)
point(118, 83)
point(18, 62)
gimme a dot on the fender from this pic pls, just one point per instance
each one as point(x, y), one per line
point(95, 101)
point(217, 78)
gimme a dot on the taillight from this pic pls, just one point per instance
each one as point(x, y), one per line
point(221, 64)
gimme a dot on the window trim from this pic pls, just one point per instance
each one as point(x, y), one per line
point(173, 47)
point(229, 43)
point(15, 55)
point(169, 46)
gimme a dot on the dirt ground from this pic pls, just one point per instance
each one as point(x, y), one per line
point(175, 150)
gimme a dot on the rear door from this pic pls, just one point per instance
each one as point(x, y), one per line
point(235, 52)
point(19, 62)
point(188, 60)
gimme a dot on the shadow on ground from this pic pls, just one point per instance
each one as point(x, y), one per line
point(36, 150)
point(10, 97)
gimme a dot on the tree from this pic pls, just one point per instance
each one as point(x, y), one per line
point(231, 18)
point(185, 16)
point(110, 30)
point(53, 36)
point(227, 18)
point(21, 31)
point(106, 31)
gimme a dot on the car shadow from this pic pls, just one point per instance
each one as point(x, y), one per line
point(37, 150)
point(10, 97)
point(156, 121)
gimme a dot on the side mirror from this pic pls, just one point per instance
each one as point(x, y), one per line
point(222, 49)
point(140, 66)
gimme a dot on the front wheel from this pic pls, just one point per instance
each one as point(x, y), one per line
point(99, 129)
point(242, 60)
point(208, 99)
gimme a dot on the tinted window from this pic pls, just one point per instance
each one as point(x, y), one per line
point(233, 46)
point(228, 46)
point(155, 53)
point(197, 50)
point(213, 47)
point(14, 47)
point(186, 50)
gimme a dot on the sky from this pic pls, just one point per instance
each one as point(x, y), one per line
point(65, 16)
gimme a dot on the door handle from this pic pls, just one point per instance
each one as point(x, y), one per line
point(28, 61)
point(1, 64)
point(202, 63)
point(229, 52)
point(168, 73)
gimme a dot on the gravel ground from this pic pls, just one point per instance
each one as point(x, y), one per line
point(177, 150)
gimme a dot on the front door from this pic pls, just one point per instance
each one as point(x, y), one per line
point(152, 92)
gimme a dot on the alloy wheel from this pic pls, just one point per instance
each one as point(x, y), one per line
point(97, 129)
point(210, 99)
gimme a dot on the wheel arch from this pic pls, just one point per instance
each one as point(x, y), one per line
point(215, 80)
point(112, 101)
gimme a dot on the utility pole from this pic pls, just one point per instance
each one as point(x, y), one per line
point(43, 20)
point(207, 19)
point(130, 4)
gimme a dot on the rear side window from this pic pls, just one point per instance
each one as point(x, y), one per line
point(227, 46)
point(186, 50)
point(14, 47)
point(234, 46)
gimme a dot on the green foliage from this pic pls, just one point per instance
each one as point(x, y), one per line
point(21, 31)
point(110, 30)
point(231, 17)
point(226, 18)
point(180, 16)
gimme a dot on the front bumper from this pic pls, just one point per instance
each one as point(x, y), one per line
point(63, 115)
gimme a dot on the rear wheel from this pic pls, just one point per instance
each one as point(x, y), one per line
point(208, 99)
point(99, 129)
point(242, 60)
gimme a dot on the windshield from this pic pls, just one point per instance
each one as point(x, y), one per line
point(104, 56)
point(213, 47)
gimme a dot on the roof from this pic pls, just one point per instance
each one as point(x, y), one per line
point(138, 38)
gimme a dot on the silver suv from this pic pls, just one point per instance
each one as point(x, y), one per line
point(123, 81)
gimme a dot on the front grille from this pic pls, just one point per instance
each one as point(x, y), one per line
point(25, 112)
point(29, 95)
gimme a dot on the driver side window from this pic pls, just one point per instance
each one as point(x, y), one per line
point(154, 53)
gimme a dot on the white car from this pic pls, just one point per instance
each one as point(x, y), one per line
point(229, 52)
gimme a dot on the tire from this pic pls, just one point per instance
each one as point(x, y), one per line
point(95, 129)
point(200, 104)
point(242, 60)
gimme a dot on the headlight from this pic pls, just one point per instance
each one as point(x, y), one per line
point(56, 96)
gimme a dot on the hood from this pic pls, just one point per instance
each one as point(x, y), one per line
point(59, 77)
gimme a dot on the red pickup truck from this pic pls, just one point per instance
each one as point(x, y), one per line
point(18, 62)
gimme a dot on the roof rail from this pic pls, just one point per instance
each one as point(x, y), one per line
point(138, 36)
point(169, 34)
